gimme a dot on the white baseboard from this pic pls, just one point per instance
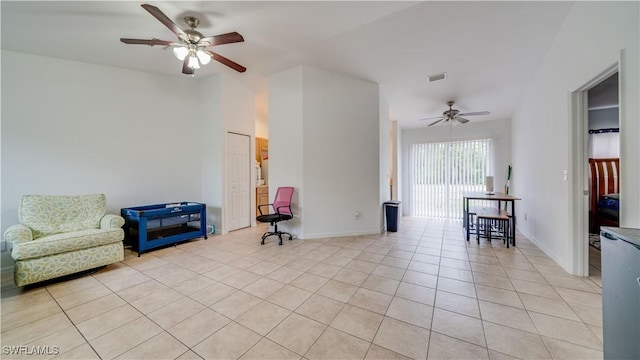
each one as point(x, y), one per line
point(550, 254)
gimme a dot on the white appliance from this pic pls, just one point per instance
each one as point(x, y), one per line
point(620, 292)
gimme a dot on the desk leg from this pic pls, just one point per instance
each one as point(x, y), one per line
point(464, 213)
point(465, 221)
point(513, 223)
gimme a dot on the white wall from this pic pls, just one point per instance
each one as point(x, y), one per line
point(70, 128)
point(262, 115)
point(140, 138)
point(588, 43)
point(385, 149)
point(262, 124)
point(212, 160)
point(341, 129)
point(238, 116)
point(499, 131)
point(286, 153)
point(324, 140)
point(226, 106)
point(395, 160)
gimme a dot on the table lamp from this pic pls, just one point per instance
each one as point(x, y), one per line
point(489, 185)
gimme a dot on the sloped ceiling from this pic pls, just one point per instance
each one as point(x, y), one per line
point(489, 50)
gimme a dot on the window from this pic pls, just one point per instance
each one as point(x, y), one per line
point(442, 171)
point(604, 143)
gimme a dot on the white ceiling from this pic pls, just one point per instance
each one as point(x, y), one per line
point(488, 49)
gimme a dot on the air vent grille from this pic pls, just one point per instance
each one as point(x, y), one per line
point(437, 77)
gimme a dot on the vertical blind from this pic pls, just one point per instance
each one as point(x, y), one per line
point(443, 171)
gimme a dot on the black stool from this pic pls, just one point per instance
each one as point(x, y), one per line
point(490, 219)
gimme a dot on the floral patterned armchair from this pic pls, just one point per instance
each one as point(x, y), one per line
point(63, 234)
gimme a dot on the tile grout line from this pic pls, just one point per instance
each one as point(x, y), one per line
point(396, 240)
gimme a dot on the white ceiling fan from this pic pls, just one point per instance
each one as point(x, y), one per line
point(452, 115)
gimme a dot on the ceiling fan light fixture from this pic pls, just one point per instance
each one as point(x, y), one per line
point(203, 57)
point(180, 52)
point(193, 62)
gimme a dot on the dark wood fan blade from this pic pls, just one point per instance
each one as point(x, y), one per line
point(228, 38)
point(185, 67)
point(232, 64)
point(435, 122)
point(151, 42)
point(474, 113)
point(158, 14)
point(461, 120)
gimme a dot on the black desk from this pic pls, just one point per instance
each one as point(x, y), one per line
point(499, 197)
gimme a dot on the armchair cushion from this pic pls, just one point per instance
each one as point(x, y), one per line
point(61, 243)
point(54, 214)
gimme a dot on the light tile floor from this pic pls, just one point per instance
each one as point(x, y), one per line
point(420, 293)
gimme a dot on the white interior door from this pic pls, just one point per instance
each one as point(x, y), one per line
point(239, 181)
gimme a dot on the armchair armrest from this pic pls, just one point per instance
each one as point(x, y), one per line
point(111, 221)
point(16, 234)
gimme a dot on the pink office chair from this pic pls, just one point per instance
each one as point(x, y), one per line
point(281, 212)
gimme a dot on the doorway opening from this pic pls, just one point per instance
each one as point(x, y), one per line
point(595, 165)
point(603, 154)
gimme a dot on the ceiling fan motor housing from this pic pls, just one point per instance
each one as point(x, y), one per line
point(193, 36)
point(450, 113)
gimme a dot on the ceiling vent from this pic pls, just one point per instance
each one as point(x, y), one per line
point(437, 77)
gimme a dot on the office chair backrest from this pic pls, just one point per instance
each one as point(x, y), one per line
point(282, 202)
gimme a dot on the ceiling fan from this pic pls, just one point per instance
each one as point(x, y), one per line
point(454, 115)
point(191, 45)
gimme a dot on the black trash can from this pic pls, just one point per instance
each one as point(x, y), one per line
point(392, 213)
